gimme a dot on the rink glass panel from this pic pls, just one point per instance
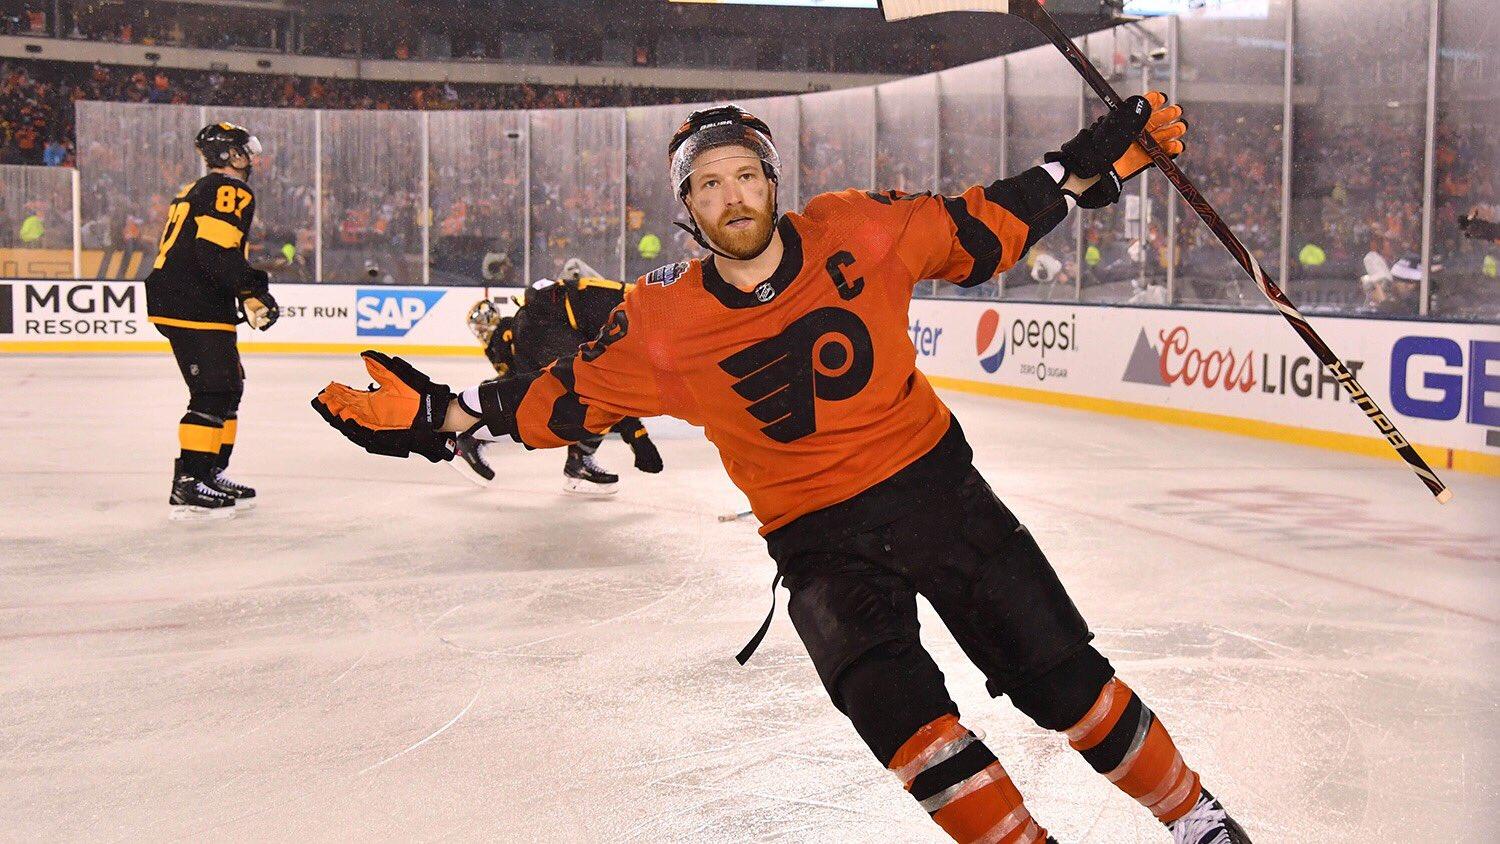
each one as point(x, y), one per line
point(133, 158)
point(372, 178)
point(906, 115)
point(784, 116)
point(577, 172)
point(1467, 162)
point(1125, 245)
point(971, 105)
point(285, 186)
point(476, 169)
point(36, 222)
point(651, 205)
point(1042, 111)
point(1358, 138)
point(837, 141)
point(1358, 134)
point(1231, 82)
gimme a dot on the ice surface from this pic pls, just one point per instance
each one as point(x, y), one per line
point(382, 651)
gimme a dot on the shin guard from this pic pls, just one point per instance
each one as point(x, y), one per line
point(1123, 740)
point(963, 787)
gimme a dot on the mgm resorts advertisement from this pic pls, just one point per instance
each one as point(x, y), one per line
point(1439, 381)
point(56, 315)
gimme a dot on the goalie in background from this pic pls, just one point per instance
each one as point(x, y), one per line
point(553, 319)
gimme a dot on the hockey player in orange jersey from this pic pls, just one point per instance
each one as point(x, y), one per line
point(789, 346)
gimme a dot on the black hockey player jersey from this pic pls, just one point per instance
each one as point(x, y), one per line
point(202, 266)
point(582, 304)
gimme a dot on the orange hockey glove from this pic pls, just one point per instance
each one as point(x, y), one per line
point(1166, 126)
point(401, 414)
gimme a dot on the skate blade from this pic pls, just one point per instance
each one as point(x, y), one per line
point(579, 486)
point(463, 468)
point(243, 504)
point(190, 513)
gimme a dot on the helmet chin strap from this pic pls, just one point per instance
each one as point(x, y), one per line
point(703, 241)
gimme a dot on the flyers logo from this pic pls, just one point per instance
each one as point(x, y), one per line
point(825, 355)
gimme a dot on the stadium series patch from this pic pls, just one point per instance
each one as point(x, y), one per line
point(668, 274)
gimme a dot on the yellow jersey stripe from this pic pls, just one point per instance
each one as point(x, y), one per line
point(586, 282)
point(188, 323)
point(218, 232)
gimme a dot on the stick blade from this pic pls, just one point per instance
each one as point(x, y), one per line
point(896, 10)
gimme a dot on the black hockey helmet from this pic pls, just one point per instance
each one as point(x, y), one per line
point(726, 125)
point(217, 141)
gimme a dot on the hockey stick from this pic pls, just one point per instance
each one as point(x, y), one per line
point(1032, 12)
point(734, 517)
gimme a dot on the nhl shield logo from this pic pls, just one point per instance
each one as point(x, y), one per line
point(765, 292)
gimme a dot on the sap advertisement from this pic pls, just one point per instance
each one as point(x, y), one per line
point(1441, 381)
point(70, 316)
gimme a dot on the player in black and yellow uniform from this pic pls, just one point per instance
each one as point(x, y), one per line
point(201, 285)
point(554, 319)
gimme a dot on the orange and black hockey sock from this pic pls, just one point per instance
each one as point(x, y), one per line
point(226, 445)
point(1123, 740)
point(200, 437)
point(961, 784)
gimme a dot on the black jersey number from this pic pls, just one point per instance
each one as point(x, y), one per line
point(177, 214)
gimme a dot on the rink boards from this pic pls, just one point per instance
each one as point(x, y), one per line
point(1244, 373)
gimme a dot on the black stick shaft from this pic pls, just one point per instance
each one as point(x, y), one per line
point(1038, 17)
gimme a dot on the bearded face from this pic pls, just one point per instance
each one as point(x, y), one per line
point(732, 200)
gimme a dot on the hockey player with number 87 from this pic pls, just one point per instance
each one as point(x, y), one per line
point(200, 286)
point(790, 347)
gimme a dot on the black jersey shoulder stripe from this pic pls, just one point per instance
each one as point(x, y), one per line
point(977, 239)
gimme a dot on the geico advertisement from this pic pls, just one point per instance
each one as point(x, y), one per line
point(1440, 381)
point(72, 310)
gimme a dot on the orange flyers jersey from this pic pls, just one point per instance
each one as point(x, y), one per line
point(808, 384)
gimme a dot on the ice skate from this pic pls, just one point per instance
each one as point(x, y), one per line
point(471, 463)
point(244, 496)
point(582, 475)
point(193, 500)
point(1207, 823)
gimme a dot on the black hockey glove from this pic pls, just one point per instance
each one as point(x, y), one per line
point(1108, 149)
point(401, 413)
point(647, 458)
point(633, 432)
point(1095, 149)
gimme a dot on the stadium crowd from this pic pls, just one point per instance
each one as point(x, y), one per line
point(562, 33)
point(1356, 189)
point(36, 97)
